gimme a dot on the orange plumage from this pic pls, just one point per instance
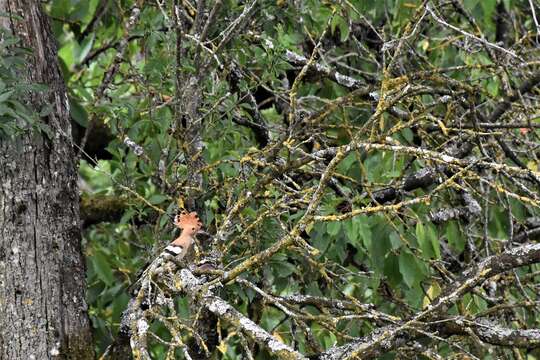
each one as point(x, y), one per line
point(190, 224)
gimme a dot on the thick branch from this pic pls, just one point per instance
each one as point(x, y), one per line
point(100, 208)
point(219, 307)
point(493, 334)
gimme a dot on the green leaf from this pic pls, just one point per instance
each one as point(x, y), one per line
point(488, 7)
point(471, 4)
point(157, 199)
point(434, 238)
point(86, 46)
point(493, 88)
point(285, 269)
point(358, 231)
point(339, 23)
point(66, 53)
point(346, 164)
point(102, 268)
point(5, 96)
point(420, 233)
point(408, 135)
point(391, 270)
point(128, 214)
point(454, 236)
point(61, 8)
point(409, 268)
point(78, 113)
point(333, 228)
point(5, 110)
point(380, 245)
point(424, 241)
point(164, 219)
point(351, 230)
point(45, 129)
point(395, 240)
point(337, 251)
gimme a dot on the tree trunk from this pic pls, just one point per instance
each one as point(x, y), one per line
point(43, 313)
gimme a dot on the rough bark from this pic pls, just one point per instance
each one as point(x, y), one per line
point(43, 314)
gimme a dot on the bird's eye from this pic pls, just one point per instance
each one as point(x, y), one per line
point(192, 228)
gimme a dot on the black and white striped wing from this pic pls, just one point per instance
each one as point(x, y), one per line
point(174, 251)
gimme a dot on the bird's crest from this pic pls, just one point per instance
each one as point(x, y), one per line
point(188, 221)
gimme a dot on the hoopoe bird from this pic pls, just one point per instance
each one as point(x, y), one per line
point(190, 224)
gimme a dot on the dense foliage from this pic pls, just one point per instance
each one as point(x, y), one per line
point(378, 151)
